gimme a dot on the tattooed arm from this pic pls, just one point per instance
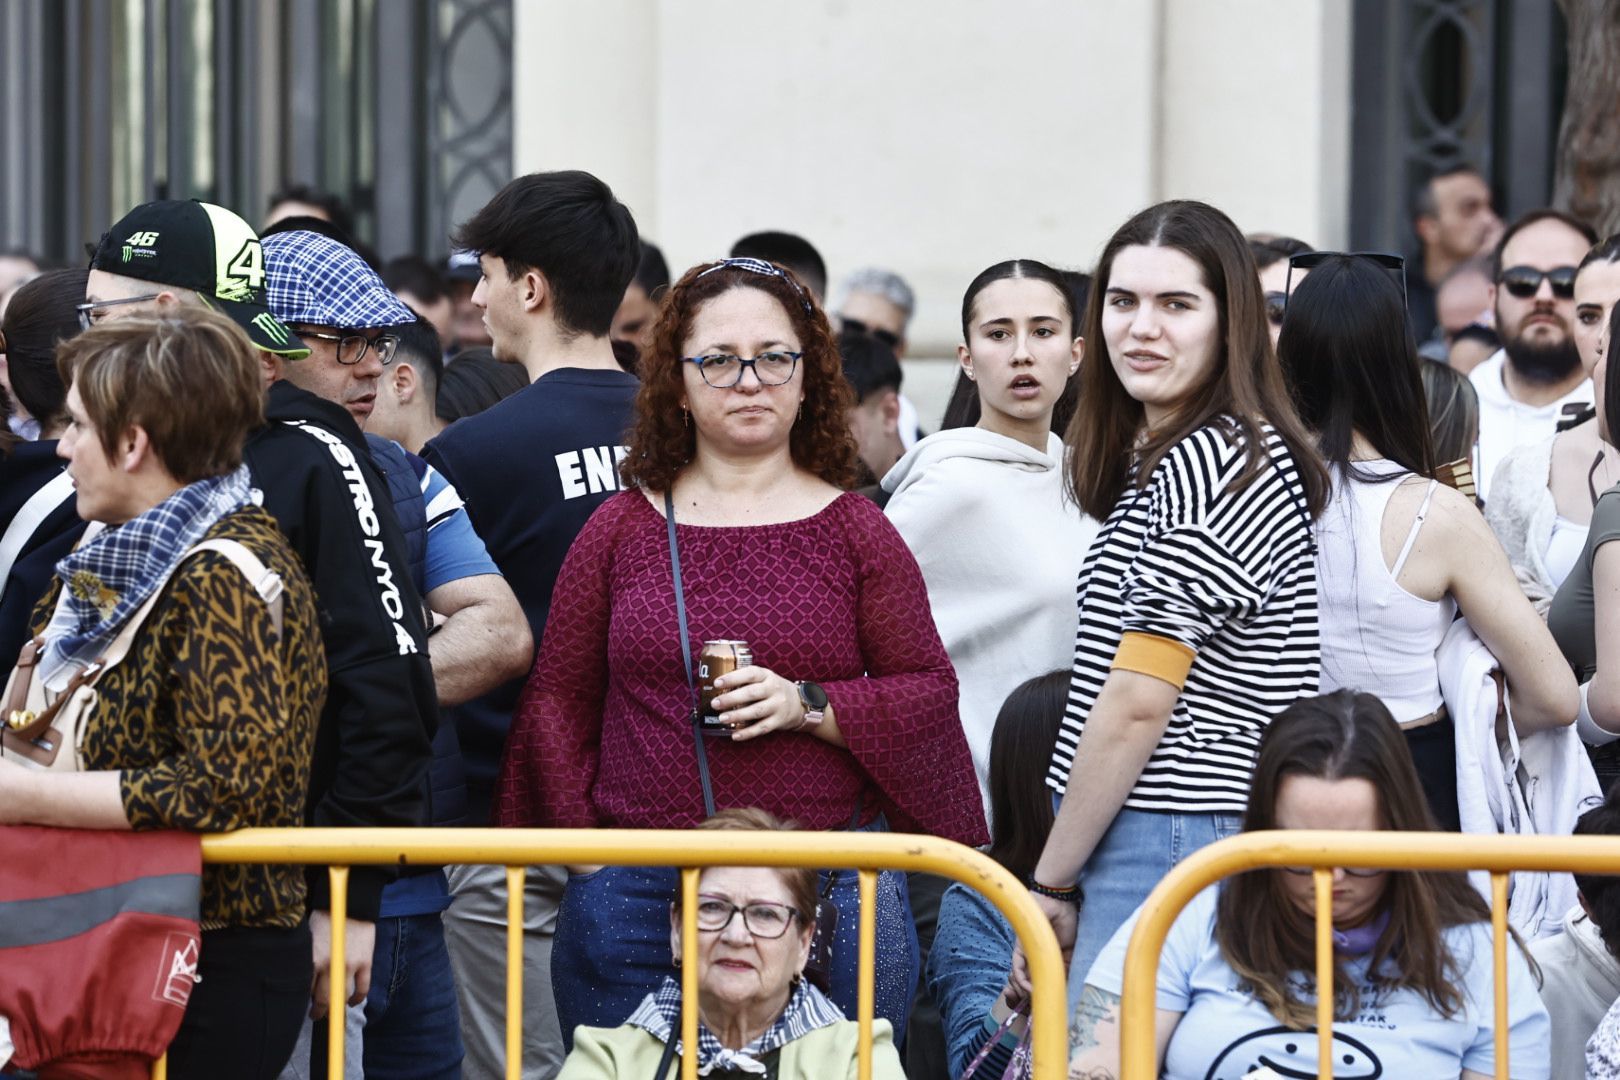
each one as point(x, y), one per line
point(1094, 1035)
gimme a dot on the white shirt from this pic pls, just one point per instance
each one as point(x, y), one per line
point(1506, 423)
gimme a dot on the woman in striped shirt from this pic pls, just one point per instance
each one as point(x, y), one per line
point(1198, 597)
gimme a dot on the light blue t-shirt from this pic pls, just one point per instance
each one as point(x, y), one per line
point(1225, 1034)
point(454, 549)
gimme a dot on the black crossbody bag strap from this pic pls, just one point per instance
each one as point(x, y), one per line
point(686, 656)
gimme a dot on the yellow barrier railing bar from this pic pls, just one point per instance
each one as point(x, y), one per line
point(1500, 855)
point(337, 983)
point(866, 971)
point(1323, 880)
point(1499, 926)
point(689, 972)
point(515, 849)
point(515, 877)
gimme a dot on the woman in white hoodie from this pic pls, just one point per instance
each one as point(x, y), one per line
point(983, 508)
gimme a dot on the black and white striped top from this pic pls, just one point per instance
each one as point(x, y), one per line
point(1230, 575)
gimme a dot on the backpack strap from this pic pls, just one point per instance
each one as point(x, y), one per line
point(40, 505)
point(265, 581)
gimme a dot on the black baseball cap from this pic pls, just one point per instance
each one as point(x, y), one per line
point(205, 248)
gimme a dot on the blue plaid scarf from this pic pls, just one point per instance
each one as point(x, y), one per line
point(107, 579)
point(659, 1014)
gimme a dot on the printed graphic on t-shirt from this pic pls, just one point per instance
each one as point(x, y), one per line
point(1293, 1055)
point(590, 470)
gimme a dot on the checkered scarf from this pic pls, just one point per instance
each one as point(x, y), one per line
point(108, 578)
point(659, 1014)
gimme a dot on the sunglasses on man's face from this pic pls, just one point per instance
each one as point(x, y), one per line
point(1525, 281)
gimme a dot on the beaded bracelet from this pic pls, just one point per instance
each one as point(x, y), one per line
point(1068, 895)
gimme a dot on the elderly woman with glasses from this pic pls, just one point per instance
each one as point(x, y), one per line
point(842, 710)
point(1412, 956)
point(757, 1014)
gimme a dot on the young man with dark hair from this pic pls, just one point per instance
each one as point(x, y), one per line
point(785, 249)
point(874, 421)
point(419, 284)
point(1454, 221)
point(1536, 378)
point(300, 200)
point(1580, 968)
point(557, 251)
point(638, 311)
point(405, 409)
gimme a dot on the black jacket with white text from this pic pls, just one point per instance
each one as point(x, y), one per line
point(373, 747)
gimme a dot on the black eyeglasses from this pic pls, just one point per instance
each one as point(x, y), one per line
point(763, 920)
point(90, 310)
point(1310, 260)
point(855, 326)
point(351, 348)
point(1525, 281)
point(722, 370)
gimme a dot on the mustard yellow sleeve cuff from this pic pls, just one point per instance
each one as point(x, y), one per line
point(1161, 657)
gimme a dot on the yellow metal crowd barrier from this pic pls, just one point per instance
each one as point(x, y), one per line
point(867, 852)
point(1323, 851)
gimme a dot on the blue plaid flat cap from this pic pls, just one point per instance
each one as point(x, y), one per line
point(313, 279)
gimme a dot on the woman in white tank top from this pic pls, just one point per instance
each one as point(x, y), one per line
point(1398, 554)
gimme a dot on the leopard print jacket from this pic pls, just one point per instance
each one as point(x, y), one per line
point(212, 722)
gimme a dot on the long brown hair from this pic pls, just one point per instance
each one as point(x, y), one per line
point(661, 440)
point(1264, 936)
point(1247, 386)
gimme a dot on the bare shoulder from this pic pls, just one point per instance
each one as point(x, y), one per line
point(1458, 517)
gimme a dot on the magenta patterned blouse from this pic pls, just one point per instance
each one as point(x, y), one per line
point(602, 735)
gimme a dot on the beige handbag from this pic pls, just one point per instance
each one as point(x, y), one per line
point(41, 723)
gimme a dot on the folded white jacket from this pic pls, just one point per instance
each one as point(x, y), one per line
point(1536, 786)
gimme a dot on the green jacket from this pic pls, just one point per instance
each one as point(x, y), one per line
point(631, 1053)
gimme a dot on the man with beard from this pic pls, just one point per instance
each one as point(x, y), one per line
point(1535, 379)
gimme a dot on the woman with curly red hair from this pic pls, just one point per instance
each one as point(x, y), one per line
point(845, 719)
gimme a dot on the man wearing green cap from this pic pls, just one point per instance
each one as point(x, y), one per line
point(312, 464)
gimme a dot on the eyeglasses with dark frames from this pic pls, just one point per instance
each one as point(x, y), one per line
point(351, 348)
point(762, 919)
point(723, 370)
point(1525, 281)
point(90, 311)
point(1310, 260)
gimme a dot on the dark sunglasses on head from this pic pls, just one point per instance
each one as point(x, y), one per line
point(1525, 281)
point(855, 326)
point(1310, 260)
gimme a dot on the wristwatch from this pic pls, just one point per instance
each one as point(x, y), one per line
point(814, 700)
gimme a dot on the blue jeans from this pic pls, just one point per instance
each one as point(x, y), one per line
point(413, 1019)
point(612, 946)
point(1138, 849)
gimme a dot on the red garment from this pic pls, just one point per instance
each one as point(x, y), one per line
point(101, 946)
point(602, 734)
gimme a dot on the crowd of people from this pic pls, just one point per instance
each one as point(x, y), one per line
point(1224, 533)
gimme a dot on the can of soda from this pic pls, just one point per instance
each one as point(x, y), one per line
point(718, 658)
